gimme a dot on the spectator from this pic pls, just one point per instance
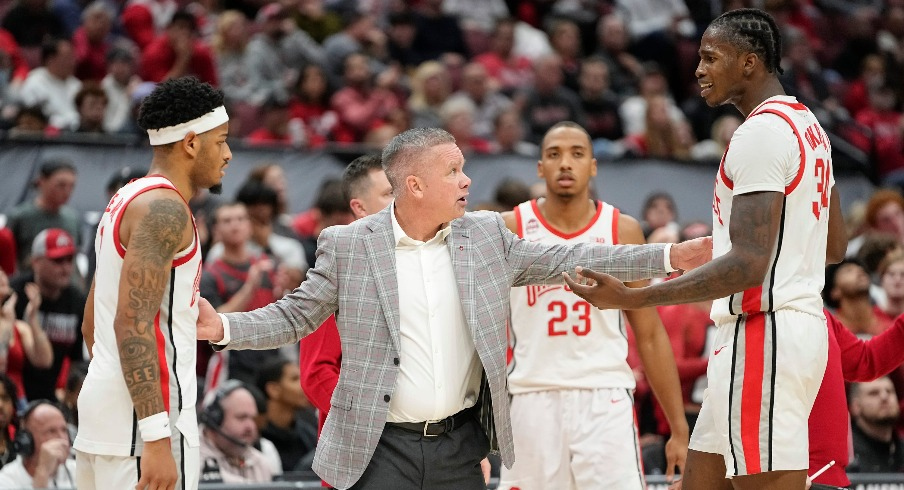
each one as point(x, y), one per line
point(144, 20)
point(400, 40)
point(846, 291)
point(291, 424)
point(73, 386)
point(488, 102)
point(275, 54)
point(599, 102)
point(178, 52)
point(624, 69)
point(508, 71)
point(457, 117)
point(565, 38)
point(872, 75)
point(8, 391)
point(310, 107)
point(662, 137)
point(548, 102)
point(318, 21)
point(16, 63)
point(241, 279)
point(633, 110)
point(24, 340)
point(508, 136)
point(60, 312)
point(229, 432)
point(891, 278)
point(91, 42)
point(119, 85)
point(274, 126)
point(875, 413)
point(43, 456)
point(91, 101)
point(722, 130)
point(31, 121)
point(53, 86)
point(510, 193)
point(55, 182)
point(884, 214)
point(430, 88)
point(31, 22)
point(360, 105)
point(660, 215)
point(263, 203)
point(272, 176)
point(230, 43)
point(330, 208)
point(437, 32)
point(886, 124)
point(359, 33)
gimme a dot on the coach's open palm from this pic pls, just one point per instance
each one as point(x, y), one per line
point(210, 327)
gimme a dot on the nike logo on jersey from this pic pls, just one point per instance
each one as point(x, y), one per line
point(716, 353)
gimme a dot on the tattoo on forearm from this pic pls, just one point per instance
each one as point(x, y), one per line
point(152, 246)
point(754, 224)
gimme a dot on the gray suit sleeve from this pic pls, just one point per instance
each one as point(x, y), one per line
point(298, 313)
point(542, 263)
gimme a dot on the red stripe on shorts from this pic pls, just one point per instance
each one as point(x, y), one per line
point(752, 390)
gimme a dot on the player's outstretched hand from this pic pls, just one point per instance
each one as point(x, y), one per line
point(210, 327)
point(602, 290)
point(692, 253)
point(158, 468)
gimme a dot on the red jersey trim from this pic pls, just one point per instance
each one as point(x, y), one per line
point(161, 360)
point(800, 143)
point(728, 182)
point(560, 234)
point(615, 214)
point(122, 211)
point(797, 106)
point(519, 224)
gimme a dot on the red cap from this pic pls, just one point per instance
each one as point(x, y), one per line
point(53, 243)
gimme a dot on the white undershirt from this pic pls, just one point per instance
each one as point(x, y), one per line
point(439, 370)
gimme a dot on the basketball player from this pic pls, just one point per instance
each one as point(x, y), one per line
point(572, 405)
point(776, 222)
point(137, 424)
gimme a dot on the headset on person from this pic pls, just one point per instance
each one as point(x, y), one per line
point(24, 442)
point(212, 415)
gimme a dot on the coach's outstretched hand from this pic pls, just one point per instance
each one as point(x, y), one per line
point(692, 253)
point(158, 468)
point(210, 327)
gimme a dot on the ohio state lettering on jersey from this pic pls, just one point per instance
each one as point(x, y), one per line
point(780, 147)
point(111, 429)
point(557, 339)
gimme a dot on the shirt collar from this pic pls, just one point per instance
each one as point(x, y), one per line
point(400, 238)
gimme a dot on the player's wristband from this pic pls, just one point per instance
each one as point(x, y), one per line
point(155, 427)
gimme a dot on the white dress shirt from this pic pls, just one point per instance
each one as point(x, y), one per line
point(439, 372)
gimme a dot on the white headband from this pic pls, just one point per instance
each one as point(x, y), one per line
point(172, 134)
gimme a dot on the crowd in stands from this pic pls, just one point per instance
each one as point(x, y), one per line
point(497, 75)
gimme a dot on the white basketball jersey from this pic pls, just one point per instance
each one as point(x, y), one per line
point(557, 339)
point(108, 424)
point(796, 271)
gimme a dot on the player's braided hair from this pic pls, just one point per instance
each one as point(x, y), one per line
point(752, 30)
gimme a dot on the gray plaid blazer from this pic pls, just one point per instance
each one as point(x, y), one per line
point(355, 278)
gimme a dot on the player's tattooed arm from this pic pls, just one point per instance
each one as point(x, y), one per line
point(755, 219)
point(156, 237)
